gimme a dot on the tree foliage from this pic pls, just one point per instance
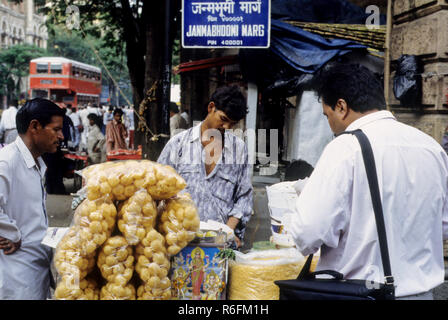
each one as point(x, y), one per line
point(137, 28)
point(14, 65)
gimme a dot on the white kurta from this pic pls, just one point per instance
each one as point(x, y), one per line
point(334, 210)
point(24, 274)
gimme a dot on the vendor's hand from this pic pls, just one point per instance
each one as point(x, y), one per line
point(238, 242)
point(8, 246)
point(96, 150)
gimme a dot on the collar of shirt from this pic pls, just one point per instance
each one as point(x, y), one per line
point(379, 115)
point(28, 157)
point(196, 134)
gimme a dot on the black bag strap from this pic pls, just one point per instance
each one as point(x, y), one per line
point(369, 163)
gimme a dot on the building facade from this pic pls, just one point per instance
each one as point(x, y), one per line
point(20, 23)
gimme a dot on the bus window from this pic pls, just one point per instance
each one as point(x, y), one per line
point(56, 68)
point(42, 68)
point(39, 94)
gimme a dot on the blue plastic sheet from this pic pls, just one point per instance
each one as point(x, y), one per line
point(305, 51)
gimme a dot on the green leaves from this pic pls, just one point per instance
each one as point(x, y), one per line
point(226, 254)
point(14, 65)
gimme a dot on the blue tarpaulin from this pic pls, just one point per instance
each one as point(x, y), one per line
point(305, 51)
point(296, 55)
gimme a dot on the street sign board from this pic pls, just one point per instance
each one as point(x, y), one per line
point(226, 23)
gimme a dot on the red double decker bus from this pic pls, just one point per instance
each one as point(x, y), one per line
point(65, 81)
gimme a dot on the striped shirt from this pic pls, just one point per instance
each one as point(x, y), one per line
point(227, 190)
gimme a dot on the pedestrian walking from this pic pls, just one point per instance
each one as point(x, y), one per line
point(116, 132)
point(24, 261)
point(130, 125)
point(8, 130)
point(95, 141)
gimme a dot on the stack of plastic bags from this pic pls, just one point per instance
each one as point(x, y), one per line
point(134, 218)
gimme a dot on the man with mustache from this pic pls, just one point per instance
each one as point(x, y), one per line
point(214, 163)
point(24, 261)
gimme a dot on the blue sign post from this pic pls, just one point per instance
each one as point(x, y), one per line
point(226, 23)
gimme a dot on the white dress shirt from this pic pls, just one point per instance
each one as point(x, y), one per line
point(130, 119)
point(74, 116)
point(25, 273)
point(334, 210)
point(8, 120)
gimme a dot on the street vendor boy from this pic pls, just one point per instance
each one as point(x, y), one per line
point(214, 163)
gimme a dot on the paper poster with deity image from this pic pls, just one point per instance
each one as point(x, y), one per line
point(198, 273)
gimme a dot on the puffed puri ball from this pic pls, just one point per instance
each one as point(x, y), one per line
point(162, 292)
point(122, 179)
point(94, 221)
point(151, 256)
point(179, 222)
point(70, 289)
point(137, 216)
point(69, 258)
point(168, 182)
point(116, 261)
point(113, 291)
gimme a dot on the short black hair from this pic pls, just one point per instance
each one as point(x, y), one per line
point(118, 111)
point(38, 109)
point(96, 119)
point(231, 101)
point(361, 89)
point(173, 107)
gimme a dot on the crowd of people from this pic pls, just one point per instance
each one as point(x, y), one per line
point(97, 130)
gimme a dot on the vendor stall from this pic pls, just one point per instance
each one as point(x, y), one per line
point(136, 235)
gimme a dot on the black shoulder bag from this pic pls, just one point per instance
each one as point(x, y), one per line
point(308, 287)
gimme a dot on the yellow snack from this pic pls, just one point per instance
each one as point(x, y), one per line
point(94, 221)
point(137, 216)
point(72, 258)
point(179, 222)
point(151, 291)
point(112, 291)
point(122, 179)
point(115, 261)
point(252, 276)
point(67, 289)
point(164, 181)
point(152, 266)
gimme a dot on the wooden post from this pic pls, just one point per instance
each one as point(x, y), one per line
point(387, 53)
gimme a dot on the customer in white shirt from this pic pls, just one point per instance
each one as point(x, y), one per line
point(74, 116)
point(8, 128)
point(334, 210)
point(83, 113)
point(130, 125)
point(24, 261)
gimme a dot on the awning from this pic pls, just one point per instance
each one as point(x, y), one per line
point(205, 64)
